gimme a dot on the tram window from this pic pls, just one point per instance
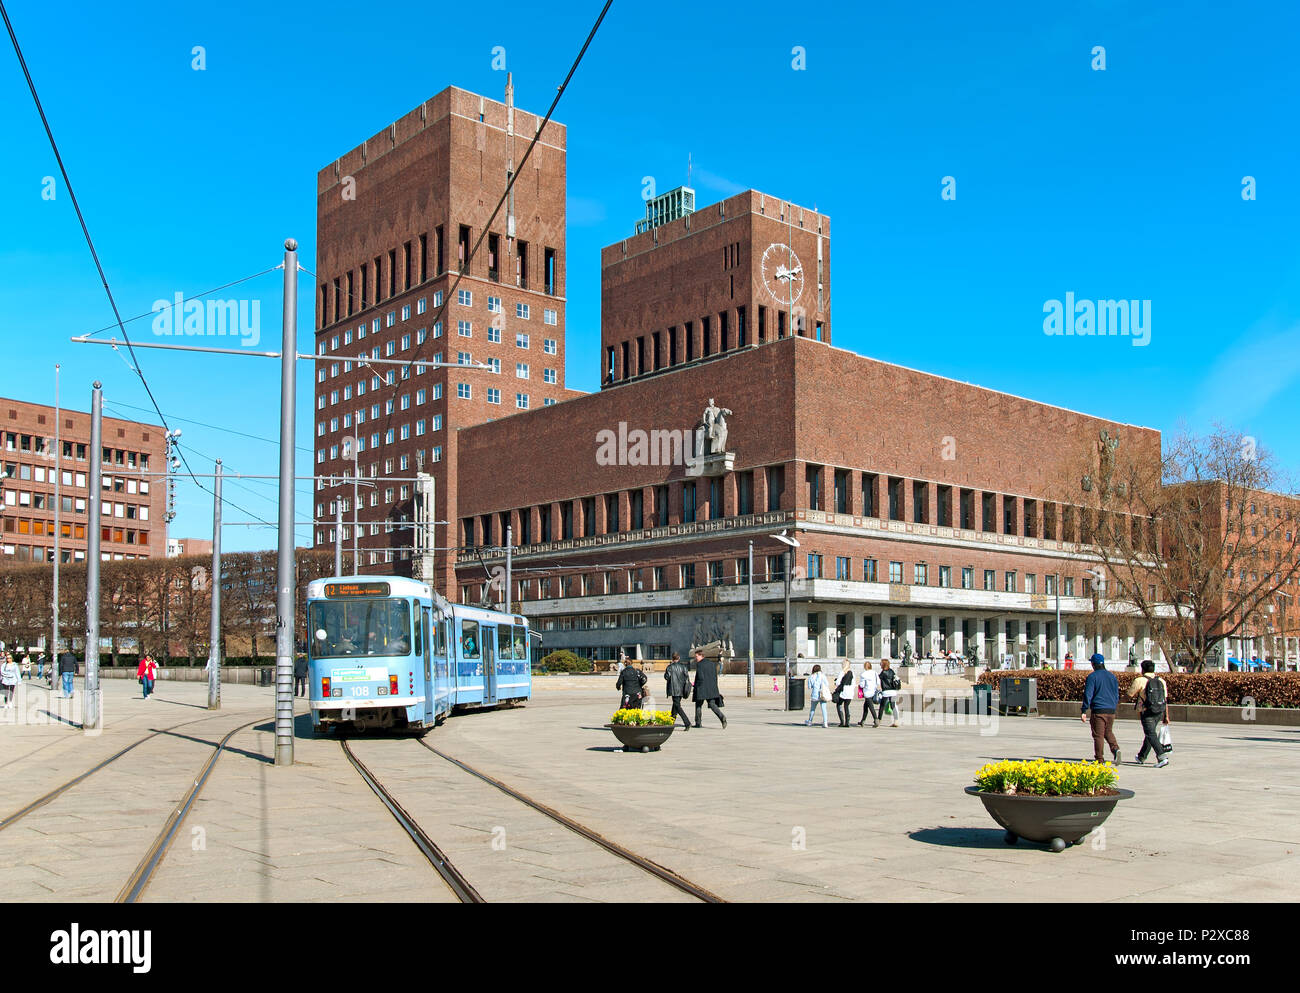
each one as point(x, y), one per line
point(521, 642)
point(344, 629)
point(505, 649)
point(469, 639)
point(419, 633)
point(442, 638)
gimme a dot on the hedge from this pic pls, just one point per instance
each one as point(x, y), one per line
point(1213, 689)
point(564, 660)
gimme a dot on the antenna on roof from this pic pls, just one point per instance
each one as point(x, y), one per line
point(688, 168)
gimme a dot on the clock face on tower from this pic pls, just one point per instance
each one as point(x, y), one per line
point(782, 273)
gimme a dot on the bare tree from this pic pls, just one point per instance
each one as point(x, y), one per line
point(1200, 546)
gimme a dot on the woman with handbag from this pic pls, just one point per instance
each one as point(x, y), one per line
point(889, 686)
point(844, 693)
point(819, 694)
point(631, 684)
point(869, 687)
point(146, 673)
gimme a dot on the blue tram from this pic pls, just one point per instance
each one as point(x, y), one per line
point(390, 653)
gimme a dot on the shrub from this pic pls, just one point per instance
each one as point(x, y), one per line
point(1042, 777)
point(1213, 689)
point(641, 718)
point(564, 660)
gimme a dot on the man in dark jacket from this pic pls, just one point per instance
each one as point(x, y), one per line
point(630, 682)
point(300, 676)
point(1101, 697)
point(706, 688)
point(67, 669)
point(678, 678)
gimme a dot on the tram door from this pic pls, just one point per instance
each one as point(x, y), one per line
point(430, 704)
point(489, 665)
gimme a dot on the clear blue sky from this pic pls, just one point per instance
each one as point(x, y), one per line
point(1117, 183)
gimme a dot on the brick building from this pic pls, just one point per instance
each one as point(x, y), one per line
point(397, 218)
point(919, 504)
point(134, 524)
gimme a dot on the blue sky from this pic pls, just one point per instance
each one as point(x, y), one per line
point(1119, 183)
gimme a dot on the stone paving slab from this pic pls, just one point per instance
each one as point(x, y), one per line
point(768, 810)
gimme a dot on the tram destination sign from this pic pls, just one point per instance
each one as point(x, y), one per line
point(337, 591)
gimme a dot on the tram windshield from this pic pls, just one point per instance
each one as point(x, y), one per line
point(360, 628)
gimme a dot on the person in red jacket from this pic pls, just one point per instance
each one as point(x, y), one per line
point(147, 673)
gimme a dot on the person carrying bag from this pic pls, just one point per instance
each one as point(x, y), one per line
point(631, 688)
point(889, 687)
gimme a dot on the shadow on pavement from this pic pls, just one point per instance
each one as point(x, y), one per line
point(179, 703)
point(955, 837)
point(258, 756)
point(61, 719)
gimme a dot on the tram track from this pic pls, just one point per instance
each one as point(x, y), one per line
point(660, 872)
point(140, 878)
point(456, 882)
point(58, 791)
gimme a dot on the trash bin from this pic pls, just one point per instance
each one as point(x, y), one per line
point(266, 676)
point(983, 700)
point(794, 698)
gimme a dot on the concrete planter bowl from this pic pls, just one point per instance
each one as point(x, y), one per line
point(642, 738)
point(1058, 821)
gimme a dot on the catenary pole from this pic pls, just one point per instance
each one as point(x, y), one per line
point(749, 683)
point(338, 537)
point(90, 718)
point(789, 692)
point(284, 574)
point(58, 475)
point(510, 538)
point(214, 622)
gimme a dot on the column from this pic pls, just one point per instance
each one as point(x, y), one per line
point(981, 650)
point(792, 492)
point(675, 505)
point(799, 631)
point(932, 503)
point(857, 648)
point(855, 492)
point(908, 631)
point(602, 515)
point(760, 491)
point(1000, 636)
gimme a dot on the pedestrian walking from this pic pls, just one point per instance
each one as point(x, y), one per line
point(843, 695)
point(631, 683)
point(818, 695)
point(890, 684)
point(67, 669)
point(1101, 700)
point(300, 676)
point(8, 680)
point(678, 680)
point(870, 687)
point(706, 689)
point(147, 673)
point(1150, 696)
point(40, 666)
point(26, 666)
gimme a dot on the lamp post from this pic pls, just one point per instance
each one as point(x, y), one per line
point(749, 682)
point(790, 544)
point(1098, 587)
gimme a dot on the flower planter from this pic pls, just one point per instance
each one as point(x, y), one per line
point(1054, 820)
point(641, 738)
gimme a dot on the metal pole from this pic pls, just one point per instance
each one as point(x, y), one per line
point(338, 538)
point(284, 574)
point(356, 508)
point(90, 718)
point(749, 684)
point(1060, 655)
point(789, 697)
point(510, 537)
point(214, 623)
point(58, 475)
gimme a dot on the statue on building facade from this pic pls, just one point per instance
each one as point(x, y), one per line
point(715, 427)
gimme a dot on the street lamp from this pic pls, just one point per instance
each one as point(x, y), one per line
point(1098, 587)
point(790, 543)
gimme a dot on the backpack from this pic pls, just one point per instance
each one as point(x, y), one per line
point(1154, 692)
